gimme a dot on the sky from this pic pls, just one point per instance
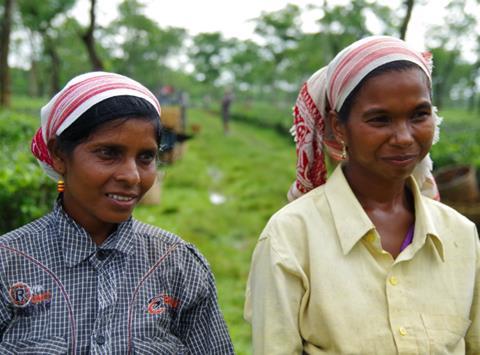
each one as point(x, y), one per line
point(232, 18)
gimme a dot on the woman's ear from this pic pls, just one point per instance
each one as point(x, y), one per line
point(338, 128)
point(58, 156)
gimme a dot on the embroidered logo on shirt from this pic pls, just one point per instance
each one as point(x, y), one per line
point(29, 300)
point(20, 294)
point(158, 304)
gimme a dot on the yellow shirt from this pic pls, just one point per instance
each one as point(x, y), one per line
point(321, 283)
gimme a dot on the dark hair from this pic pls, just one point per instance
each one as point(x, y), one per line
point(399, 65)
point(111, 109)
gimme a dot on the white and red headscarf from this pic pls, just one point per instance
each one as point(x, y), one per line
point(327, 89)
point(80, 94)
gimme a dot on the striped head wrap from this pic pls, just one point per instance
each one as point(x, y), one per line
point(328, 88)
point(80, 94)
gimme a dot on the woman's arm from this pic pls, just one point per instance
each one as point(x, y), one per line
point(273, 298)
point(5, 310)
point(472, 338)
point(203, 327)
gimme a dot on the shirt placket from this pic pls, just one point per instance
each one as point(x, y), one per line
point(101, 337)
point(405, 325)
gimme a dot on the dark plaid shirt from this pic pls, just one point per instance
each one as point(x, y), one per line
point(144, 291)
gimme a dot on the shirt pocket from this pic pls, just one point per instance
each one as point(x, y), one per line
point(167, 344)
point(445, 333)
point(35, 346)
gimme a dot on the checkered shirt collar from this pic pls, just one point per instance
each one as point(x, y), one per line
point(77, 245)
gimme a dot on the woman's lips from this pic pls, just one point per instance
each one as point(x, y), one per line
point(401, 160)
point(122, 200)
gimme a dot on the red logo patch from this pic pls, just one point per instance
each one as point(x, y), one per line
point(20, 294)
point(157, 304)
point(42, 297)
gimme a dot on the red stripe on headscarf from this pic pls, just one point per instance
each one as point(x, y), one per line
point(358, 66)
point(39, 148)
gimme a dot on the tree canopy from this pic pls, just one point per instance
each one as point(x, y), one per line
point(272, 66)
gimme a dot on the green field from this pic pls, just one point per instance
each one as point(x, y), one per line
point(252, 168)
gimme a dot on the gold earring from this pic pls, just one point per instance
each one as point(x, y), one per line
point(60, 186)
point(344, 151)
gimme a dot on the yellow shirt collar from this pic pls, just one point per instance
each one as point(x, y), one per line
point(352, 222)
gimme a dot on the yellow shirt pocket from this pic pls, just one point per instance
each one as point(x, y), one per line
point(446, 333)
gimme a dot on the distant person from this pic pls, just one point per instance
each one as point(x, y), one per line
point(88, 277)
point(364, 263)
point(226, 106)
point(183, 100)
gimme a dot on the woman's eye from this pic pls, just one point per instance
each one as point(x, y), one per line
point(107, 153)
point(379, 120)
point(421, 116)
point(147, 157)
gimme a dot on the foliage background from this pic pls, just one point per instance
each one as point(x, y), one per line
point(254, 165)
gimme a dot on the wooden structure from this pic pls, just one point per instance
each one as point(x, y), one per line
point(459, 188)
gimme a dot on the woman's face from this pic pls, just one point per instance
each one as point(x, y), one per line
point(390, 127)
point(107, 175)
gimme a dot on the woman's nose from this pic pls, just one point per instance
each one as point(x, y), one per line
point(128, 172)
point(402, 134)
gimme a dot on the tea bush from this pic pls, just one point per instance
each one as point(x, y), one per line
point(459, 134)
point(25, 191)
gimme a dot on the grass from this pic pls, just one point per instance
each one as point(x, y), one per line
point(252, 168)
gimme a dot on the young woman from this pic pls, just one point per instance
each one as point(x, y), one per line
point(364, 263)
point(88, 278)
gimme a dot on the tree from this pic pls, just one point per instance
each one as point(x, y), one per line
point(448, 43)
point(88, 39)
point(39, 16)
point(207, 55)
point(139, 47)
point(408, 4)
point(280, 31)
point(4, 51)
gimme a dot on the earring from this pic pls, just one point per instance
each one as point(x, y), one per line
point(344, 151)
point(60, 186)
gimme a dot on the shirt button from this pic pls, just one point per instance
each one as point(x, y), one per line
point(102, 254)
point(370, 238)
point(100, 339)
point(402, 331)
point(393, 281)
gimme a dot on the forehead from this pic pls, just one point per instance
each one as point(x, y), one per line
point(124, 130)
point(397, 85)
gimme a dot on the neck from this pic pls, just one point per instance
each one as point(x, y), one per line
point(99, 236)
point(376, 193)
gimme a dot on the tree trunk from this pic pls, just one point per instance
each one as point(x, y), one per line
point(33, 73)
point(33, 79)
point(408, 14)
point(89, 40)
point(51, 51)
point(472, 100)
point(4, 50)
point(441, 86)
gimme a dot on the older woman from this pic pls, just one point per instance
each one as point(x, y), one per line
point(364, 263)
point(88, 278)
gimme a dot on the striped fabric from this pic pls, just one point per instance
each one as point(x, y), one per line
point(328, 88)
point(144, 291)
point(80, 93)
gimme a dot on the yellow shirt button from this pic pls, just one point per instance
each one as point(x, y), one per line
point(393, 281)
point(370, 238)
point(402, 331)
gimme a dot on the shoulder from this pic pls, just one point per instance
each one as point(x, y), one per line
point(446, 217)
point(458, 233)
point(159, 241)
point(28, 233)
point(291, 230)
point(300, 213)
